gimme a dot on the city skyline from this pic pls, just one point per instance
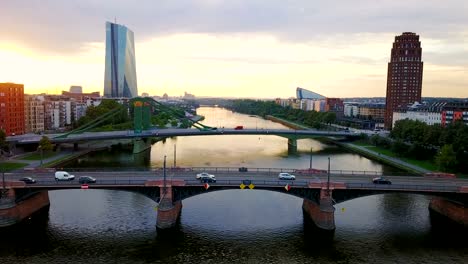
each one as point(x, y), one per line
point(262, 49)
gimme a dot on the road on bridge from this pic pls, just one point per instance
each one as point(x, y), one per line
point(232, 177)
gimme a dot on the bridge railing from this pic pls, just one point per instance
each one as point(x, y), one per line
point(295, 171)
point(406, 187)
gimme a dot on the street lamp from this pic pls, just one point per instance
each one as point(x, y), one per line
point(175, 151)
point(328, 177)
point(310, 164)
point(164, 175)
point(40, 149)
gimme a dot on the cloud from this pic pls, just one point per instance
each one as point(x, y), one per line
point(63, 26)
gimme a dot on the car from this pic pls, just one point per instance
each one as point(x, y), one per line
point(208, 179)
point(86, 179)
point(204, 175)
point(63, 176)
point(239, 128)
point(243, 169)
point(381, 180)
point(286, 176)
point(28, 180)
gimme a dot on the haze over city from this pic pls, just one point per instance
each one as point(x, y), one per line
point(261, 49)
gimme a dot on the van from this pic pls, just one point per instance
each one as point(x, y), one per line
point(63, 176)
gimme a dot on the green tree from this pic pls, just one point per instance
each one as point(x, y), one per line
point(45, 144)
point(3, 142)
point(446, 159)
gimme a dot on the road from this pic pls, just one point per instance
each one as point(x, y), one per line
point(235, 178)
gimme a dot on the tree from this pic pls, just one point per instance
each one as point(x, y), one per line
point(446, 159)
point(45, 144)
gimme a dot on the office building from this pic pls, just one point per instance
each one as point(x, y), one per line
point(120, 70)
point(404, 77)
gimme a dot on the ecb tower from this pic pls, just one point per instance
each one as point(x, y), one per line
point(120, 73)
point(404, 77)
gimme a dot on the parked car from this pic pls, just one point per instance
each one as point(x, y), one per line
point(207, 179)
point(243, 169)
point(286, 176)
point(86, 179)
point(63, 176)
point(380, 180)
point(28, 180)
point(239, 127)
point(204, 175)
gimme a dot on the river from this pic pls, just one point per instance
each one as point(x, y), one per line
point(242, 226)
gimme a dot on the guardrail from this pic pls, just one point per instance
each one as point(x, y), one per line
point(299, 171)
point(406, 187)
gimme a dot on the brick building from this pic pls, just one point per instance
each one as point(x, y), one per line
point(404, 77)
point(12, 108)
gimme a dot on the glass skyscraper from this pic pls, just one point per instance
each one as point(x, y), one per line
point(120, 73)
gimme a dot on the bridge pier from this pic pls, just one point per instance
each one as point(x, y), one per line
point(321, 213)
point(292, 145)
point(168, 210)
point(141, 144)
point(12, 212)
point(453, 211)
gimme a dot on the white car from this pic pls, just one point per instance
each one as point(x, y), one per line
point(286, 176)
point(205, 175)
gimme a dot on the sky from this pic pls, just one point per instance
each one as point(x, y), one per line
point(241, 48)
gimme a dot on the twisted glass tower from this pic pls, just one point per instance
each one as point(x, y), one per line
point(120, 73)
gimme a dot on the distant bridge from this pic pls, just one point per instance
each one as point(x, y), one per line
point(291, 135)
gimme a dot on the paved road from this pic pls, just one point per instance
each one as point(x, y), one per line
point(235, 178)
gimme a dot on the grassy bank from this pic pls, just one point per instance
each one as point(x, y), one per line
point(11, 166)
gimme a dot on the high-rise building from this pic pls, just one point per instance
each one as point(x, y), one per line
point(12, 108)
point(404, 77)
point(120, 73)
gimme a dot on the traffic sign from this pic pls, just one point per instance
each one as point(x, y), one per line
point(84, 186)
point(251, 186)
point(287, 187)
point(242, 186)
point(206, 185)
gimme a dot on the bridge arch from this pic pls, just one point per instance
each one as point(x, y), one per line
point(182, 193)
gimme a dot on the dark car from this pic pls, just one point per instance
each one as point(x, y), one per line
point(380, 180)
point(28, 180)
point(86, 179)
point(243, 169)
point(207, 179)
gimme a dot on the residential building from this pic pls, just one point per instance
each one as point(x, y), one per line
point(81, 97)
point(34, 114)
point(404, 76)
point(334, 105)
point(454, 111)
point(351, 109)
point(120, 78)
point(12, 108)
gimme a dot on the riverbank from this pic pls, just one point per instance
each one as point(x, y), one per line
point(392, 161)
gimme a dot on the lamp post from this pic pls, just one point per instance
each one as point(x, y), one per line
point(164, 175)
point(40, 149)
point(175, 151)
point(310, 164)
point(328, 177)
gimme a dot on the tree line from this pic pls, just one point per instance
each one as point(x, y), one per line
point(263, 108)
point(446, 146)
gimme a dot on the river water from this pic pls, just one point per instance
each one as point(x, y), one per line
point(241, 226)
